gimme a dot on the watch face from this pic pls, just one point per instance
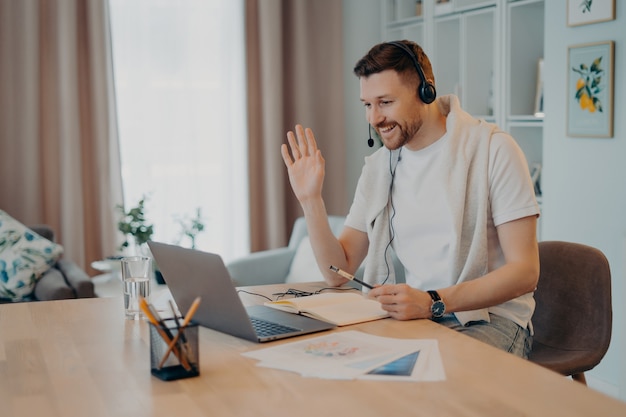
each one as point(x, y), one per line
point(438, 308)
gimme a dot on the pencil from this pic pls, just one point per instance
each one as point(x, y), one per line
point(188, 317)
point(164, 332)
point(350, 277)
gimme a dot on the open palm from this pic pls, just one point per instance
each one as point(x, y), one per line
point(305, 164)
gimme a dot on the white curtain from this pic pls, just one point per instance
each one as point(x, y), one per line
point(180, 91)
point(295, 59)
point(59, 159)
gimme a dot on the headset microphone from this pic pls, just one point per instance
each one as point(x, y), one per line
point(370, 141)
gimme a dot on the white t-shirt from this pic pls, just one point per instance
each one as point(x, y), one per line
point(422, 222)
point(421, 217)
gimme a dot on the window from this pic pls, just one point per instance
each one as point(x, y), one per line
point(180, 92)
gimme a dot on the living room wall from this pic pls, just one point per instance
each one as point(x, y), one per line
point(361, 31)
point(584, 191)
point(584, 186)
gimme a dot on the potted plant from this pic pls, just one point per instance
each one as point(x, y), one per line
point(191, 227)
point(134, 226)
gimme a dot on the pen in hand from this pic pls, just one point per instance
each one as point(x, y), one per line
point(350, 277)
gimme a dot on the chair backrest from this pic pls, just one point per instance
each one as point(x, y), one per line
point(299, 230)
point(573, 298)
point(336, 223)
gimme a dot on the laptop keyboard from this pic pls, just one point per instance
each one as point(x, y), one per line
point(265, 328)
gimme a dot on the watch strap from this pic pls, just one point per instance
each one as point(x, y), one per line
point(434, 295)
point(438, 307)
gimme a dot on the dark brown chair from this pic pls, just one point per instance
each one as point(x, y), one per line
point(573, 316)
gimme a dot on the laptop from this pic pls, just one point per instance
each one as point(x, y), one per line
point(190, 273)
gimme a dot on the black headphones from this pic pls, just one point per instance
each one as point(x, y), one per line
point(426, 90)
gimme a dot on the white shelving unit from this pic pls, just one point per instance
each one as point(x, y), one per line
point(523, 48)
point(403, 19)
point(463, 57)
point(484, 51)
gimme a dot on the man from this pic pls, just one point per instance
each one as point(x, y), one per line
point(451, 195)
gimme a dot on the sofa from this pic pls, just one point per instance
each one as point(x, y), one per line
point(64, 280)
point(292, 263)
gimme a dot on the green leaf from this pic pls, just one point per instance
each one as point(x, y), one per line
point(595, 66)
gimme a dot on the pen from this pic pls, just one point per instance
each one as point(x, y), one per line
point(350, 277)
point(173, 308)
point(188, 317)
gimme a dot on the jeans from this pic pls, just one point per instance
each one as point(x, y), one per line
point(500, 332)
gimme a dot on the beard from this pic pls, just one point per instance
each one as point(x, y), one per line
point(403, 135)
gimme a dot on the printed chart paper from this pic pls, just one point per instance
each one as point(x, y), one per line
point(356, 355)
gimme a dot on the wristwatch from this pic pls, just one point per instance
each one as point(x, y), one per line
point(438, 307)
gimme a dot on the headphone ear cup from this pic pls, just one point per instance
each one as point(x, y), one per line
point(427, 92)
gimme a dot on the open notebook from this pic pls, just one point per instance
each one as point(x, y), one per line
point(340, 309)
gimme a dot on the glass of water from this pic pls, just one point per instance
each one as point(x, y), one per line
point(136, 283)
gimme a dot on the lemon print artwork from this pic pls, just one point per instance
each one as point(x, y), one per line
point(588, 85)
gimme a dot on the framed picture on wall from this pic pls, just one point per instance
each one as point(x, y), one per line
point(583, 12)
point(590, 90)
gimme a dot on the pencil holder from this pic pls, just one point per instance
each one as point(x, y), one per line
point(174, 350)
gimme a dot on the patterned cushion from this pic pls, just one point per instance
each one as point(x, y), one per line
point(24, 257)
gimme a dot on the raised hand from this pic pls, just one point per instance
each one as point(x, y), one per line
point(305, 164)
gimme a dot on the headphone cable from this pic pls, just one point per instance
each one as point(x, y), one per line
point(392, 232)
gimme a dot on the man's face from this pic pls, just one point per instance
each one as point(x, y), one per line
point(391, 107)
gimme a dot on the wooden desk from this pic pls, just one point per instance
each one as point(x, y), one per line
point(82, 358)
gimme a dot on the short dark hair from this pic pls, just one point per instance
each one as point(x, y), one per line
point(385, 56)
